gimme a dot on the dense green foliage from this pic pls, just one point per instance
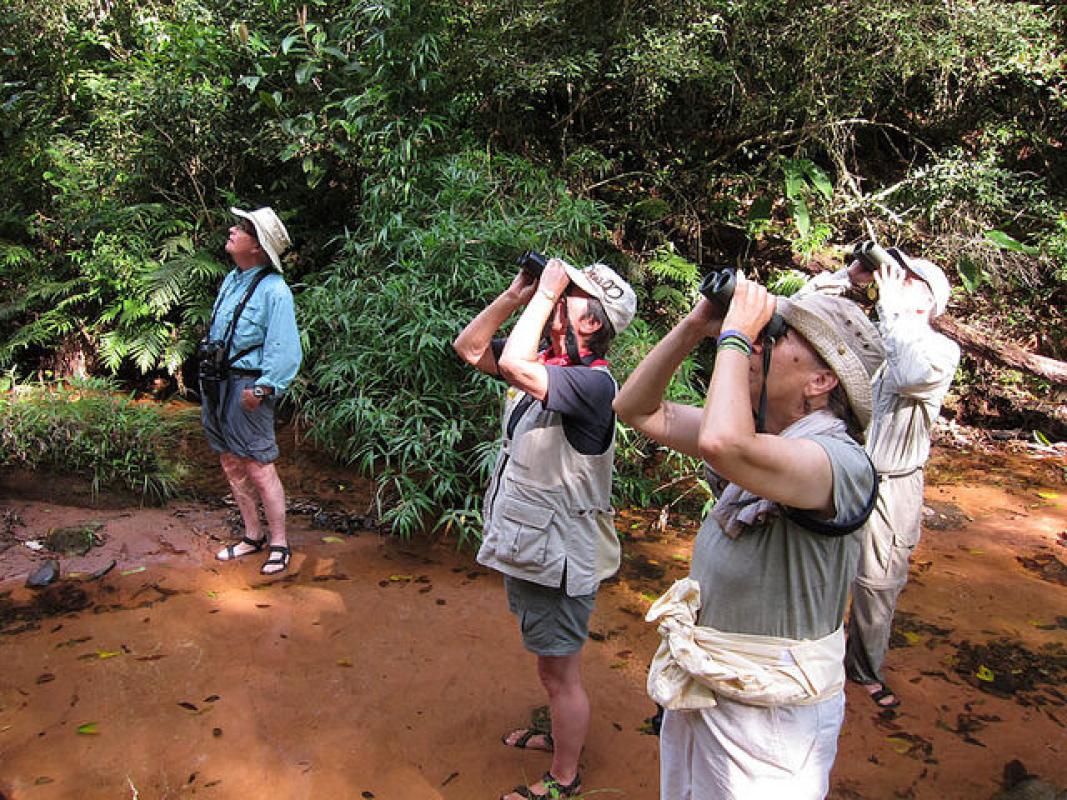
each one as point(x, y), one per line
point(415, 148)
point(86, 429)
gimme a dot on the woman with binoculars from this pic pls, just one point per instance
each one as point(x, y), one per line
point(750, 668)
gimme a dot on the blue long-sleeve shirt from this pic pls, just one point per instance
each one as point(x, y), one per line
point(268, 324)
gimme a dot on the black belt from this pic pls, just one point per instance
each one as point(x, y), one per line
point(247, 373)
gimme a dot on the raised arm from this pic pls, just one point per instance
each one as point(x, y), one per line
point(795, 472)
point(473, 342)
point(640, 402)
point(519, 364)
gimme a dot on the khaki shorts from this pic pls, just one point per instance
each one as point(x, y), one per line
point(552, 622)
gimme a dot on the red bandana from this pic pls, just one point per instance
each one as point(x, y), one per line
point(565, 361)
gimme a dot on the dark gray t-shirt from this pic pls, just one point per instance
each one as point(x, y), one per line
point(582, 396)
point(781, 579)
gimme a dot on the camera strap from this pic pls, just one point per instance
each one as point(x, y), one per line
point(570, 341)
point(761, 414)
point(231, 328)
point(830, 528)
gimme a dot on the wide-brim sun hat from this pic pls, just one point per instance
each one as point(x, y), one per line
point(844, 338)
point(606, 285)
point(270, 231)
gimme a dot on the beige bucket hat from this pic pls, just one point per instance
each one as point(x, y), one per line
point(845, 339)
point(271, 233)
point(615, 294)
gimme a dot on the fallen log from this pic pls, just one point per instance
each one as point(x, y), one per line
point(974, 342)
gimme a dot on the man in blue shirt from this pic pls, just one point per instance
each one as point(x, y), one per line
point(257, 345)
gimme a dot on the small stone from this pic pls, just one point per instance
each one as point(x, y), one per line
point(43, 575)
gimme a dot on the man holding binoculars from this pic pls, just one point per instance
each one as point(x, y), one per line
point(548, 518)
point(908, 392)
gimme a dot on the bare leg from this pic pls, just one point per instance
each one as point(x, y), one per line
point(569, 705)
point(272, 493)
point(244, 494)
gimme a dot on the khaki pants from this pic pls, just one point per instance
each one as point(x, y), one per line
point(889, 540)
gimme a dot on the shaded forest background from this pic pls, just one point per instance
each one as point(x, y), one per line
point(414, 148)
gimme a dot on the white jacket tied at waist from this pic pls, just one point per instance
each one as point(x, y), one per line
point(693, 663)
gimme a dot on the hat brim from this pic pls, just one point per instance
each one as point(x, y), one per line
point(261, 237)
point(846, 365)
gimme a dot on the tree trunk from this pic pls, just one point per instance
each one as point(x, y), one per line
point(976, 343)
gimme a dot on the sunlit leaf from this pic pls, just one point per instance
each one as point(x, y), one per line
point(332, 539)
point(985, 674)
point(88, 729)
point(899, 744)
point(1006, 242)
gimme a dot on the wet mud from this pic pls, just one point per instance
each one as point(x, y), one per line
point(377, 668)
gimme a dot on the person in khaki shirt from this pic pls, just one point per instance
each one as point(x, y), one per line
point(908, 392)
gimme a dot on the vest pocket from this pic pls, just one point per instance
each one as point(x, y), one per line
point(524, 533)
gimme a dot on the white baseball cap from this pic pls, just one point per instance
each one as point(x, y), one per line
point(934, 277)
point(615, 294)
point(271, 233)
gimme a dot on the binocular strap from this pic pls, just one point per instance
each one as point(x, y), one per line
point(761, 415)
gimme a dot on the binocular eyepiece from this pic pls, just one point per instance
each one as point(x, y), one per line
point(718, 286)
point(532, 263)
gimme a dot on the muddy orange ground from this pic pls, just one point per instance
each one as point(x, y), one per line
point(383, 669)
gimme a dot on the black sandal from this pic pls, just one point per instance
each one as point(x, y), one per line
point(554, 788)
point(523, 742)
point(283, 554)
point(882, 694)
point(232, 554)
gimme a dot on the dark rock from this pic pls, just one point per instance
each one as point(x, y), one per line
point(43, 575)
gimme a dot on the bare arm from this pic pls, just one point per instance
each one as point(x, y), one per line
point(519, 365)
point(640, 402)
point(473, 342)
point(795, 472)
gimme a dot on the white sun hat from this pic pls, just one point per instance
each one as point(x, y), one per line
point(271, 233)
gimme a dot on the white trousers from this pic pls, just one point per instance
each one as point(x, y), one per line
point(736, 751)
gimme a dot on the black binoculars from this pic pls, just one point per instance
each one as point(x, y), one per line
point(213, 362)
point(718, 286)
point(872, 255)
point(532, 263)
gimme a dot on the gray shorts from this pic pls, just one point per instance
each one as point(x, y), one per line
point(248, 434)
point(552, 623)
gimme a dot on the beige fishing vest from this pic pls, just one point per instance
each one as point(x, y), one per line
point(548, 507)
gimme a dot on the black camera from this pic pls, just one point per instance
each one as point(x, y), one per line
point(532, 263)
point(212, 357)
point(718, 286)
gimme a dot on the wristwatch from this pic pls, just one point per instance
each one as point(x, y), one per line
point(262, 391)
